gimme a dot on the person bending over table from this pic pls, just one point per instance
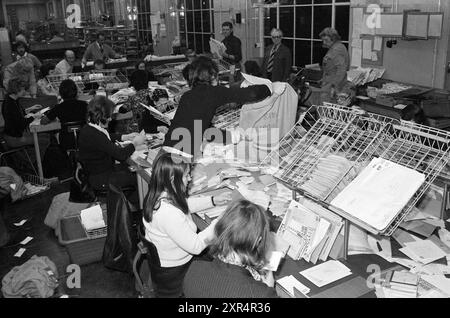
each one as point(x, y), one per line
point(71, 110)
point(16, 131)
point(198, 106)
point(239, 250)
point(169, 225)
point(99, 51)
point(98, 150)
point(22, 69)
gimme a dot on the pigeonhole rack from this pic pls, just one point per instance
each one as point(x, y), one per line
point(358, 137)
point(55, 80)
point(110, 79)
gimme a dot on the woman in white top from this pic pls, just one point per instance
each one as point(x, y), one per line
point(168, 222)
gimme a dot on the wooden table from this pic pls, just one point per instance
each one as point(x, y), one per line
point(35, 129)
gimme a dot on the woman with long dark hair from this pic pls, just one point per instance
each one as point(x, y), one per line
point(168, 222)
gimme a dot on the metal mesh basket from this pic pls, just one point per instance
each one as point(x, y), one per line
point(36, 181)
point(110, 79)
point(56, 80)
point(358, 138)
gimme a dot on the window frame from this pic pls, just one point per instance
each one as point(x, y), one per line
point(333, 3)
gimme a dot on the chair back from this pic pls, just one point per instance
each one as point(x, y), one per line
point(72, 128)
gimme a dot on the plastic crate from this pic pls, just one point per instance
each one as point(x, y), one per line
point(83, 247)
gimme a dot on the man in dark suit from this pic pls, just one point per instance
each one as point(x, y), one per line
point(277, 61)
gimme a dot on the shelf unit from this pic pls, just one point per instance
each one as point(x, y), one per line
point(123, 41)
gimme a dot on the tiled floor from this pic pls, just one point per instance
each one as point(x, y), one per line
point(96, 280)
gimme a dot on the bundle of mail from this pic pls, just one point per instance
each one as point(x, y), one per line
point(361, 76)
point(312, 232)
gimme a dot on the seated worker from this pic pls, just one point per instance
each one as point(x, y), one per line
point(190, 55)
point(56, 37)
point(43, 86)
point(141, 76)
point(99, 65)
point(16, 132)
point(23, 70)
point(99, 51)
point(69, 111)
point(66, 65)
point(98, 149)
point(21, 52)
point(239, 250)
point(198, 106)
point(168, 222)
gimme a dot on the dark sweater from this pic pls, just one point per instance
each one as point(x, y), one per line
point(14, 116)
point(200, 104)
point(217, 279)
point(98, 153)
point(234, 47)
point(139, 79)
point(68, 111)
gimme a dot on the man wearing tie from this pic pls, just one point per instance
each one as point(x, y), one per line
point(277, 61)
point(99, 51)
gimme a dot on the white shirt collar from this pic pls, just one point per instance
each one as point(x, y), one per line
point(19, 57)
point(101, 129)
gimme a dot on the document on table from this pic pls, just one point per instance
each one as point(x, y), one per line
point(288, 283)
point(379, 193)
point(423, 251)
point(326, 273)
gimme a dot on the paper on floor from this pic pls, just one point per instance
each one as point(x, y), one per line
point(20, 252)
point(26, 240)
point(21, 223)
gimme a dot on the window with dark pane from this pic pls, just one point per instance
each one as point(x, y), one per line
point(197, 4)
point(287, 21)
point(319, 52)
point(322, 19)
point(302, 53)
point(198, 21)
point(270, 20)
point(199, 43)
point(206, 14)
point(190, 21)
point(343, 21)
point(303, 21)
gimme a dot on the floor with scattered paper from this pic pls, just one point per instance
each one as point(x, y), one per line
point(96, 280)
